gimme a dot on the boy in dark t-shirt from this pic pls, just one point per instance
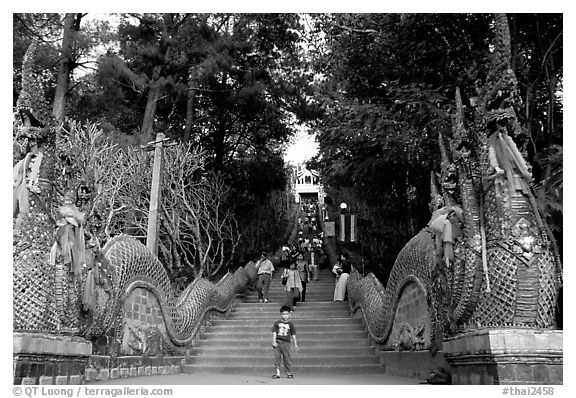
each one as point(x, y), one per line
point(282, 330)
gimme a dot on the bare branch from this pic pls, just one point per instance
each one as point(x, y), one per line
point(355, 30)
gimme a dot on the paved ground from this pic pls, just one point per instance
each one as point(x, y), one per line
point(235, 379)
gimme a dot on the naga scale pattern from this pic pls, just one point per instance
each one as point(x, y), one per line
point(519, 283)
point(47, 295)
point(129, 265)
point(34, 279)
point(379, 305)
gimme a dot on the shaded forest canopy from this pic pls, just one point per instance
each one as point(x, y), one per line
point(375, 89)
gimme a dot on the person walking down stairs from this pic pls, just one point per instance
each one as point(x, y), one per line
point(313, 263)
point(304, 272)
point(265, 269)
point(293, 285)
point(282, 331)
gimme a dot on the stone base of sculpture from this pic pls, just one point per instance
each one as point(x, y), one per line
point(418, 364)
point(43, 358)
point(505, 356)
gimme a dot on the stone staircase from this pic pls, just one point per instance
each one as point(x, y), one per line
point(329, 339)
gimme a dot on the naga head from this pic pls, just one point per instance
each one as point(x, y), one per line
point(31, 105)
point(450, 180)
point(32, 111)
point(505, 263)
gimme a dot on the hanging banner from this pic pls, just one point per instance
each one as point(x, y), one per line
point(329, 228)
point(352, 227)
point(347, 228)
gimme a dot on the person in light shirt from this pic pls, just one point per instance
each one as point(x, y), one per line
point(265, 270)
point(340, 288)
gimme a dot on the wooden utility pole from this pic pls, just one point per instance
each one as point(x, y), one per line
point(156, 145)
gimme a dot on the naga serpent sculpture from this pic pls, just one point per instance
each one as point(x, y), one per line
point(499, 266)
point(55, 291)
point(501, 271)
point(130, 265)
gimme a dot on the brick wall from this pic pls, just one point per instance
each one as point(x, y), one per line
point(142, 306)
point(141, 311)
point(412, 311)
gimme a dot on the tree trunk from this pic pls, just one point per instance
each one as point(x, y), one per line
point(71, 26)
point(157, 82)
point(150, 111)
point(220, 135)
point(189, 111)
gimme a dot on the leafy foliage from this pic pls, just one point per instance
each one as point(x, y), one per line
point(377, 89)
point(386, 85)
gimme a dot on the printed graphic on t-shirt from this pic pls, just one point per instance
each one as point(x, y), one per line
point(283, 329)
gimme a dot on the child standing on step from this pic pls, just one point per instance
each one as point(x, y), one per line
point(282, 331)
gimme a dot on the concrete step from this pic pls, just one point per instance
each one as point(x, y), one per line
point(299, 309)
point(309, 289)
point(317, 296)
point(296, 369)
point(301, 328)
point(304, 350)
point(308, 305)
point(312, 289)
point(266, 341)
point(311, 305)
point(320, 283)
point(303, 360)
point(330, 341)
point(274, 308)
point(324, 275)
point(297, 315)
point(309, 292)
point(311, 335)
point(334, 322)
point(283, 299)
point(323, 279)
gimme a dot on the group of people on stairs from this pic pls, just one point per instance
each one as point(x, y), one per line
point(301, 261)
point(297, 276)
point(295, 279)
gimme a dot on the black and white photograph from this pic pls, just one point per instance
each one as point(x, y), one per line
point(287, 199)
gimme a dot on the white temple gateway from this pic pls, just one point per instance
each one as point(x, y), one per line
point(306, 185)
